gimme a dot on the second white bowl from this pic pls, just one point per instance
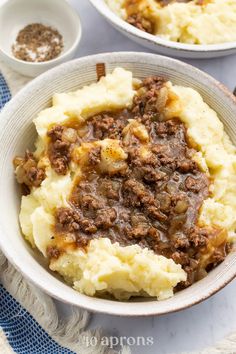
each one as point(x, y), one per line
point(160, 45)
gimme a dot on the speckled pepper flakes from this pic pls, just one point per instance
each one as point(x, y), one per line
point(37, 43)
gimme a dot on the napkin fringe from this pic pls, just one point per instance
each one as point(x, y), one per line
point(4, 344)
point(69, 332)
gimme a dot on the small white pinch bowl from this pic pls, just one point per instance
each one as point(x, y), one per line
point(161, 45)
point(16, 14)
point(17, 133)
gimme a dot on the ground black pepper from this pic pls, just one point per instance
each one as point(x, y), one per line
point(37, 43)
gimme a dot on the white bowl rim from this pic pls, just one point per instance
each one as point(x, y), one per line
point(96, 304)
point(184, 47)
point(58, 58)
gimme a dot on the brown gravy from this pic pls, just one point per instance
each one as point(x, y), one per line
point(155, 201)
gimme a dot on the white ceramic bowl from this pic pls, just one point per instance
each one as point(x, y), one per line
point(18, 133)
point(161, 45)
point(16, 14)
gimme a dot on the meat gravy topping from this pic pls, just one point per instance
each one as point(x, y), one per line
point(137, 19)
point(154, 201)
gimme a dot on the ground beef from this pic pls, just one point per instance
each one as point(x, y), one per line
point(198, 236)
point(59, 150)
point(94, 156)
point(105, 125)
point(56, 133)
point(140, 22)
point(143, 231)
point(160, 149)
point(139, 231)
point(152, 84)
point(151, 175)
point(88, 226)
point(186, 166)
point(88, 202)
point(217, 257)
point(193, 184)
point(105, 218)
point(67, 220)
point(166, 128)
point(155, 213)
point(134, 193)
point(110, 189)
point(53, 252)
point(27, 171)
point(167, 2)
point(180, 241)
point(155, 203)
point(36, 176)
point(180, 258)
point(145, 103)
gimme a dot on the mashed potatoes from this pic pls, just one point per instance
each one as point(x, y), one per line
point(211, 23)
point(105, 267)
point(120, 271)
point(216, 154)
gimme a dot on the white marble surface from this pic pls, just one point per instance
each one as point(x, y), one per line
point(210, 321)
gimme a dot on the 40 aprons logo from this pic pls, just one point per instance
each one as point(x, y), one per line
point(116, 341)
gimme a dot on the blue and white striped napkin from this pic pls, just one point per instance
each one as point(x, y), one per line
point(22, 332)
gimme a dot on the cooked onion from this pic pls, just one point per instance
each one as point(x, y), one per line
point(202, 273)
point(20, 174)
point(70, 135)
point(162, 99)
point(18, 161)
point(70, 238)
point(181, 206)
point(172, 187)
